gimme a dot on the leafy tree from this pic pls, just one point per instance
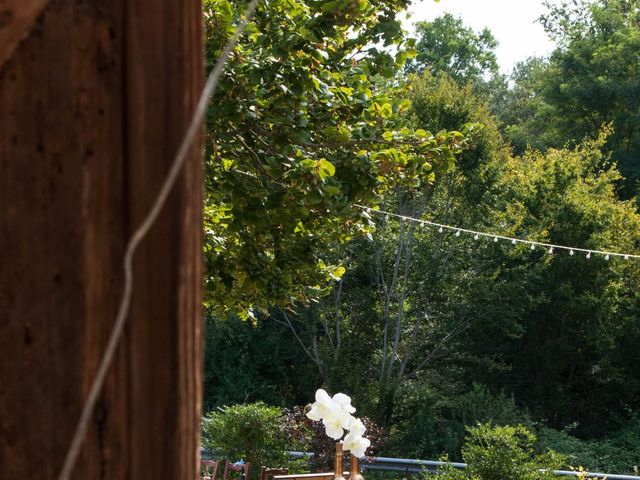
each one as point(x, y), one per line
point(529, 121)
point(299, 131)
point(384, 323)
point(446, 46)
point(574, 312)
point(592, 79)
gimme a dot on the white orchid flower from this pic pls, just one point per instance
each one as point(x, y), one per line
point(322, 407)
point(336, 422)
point(357, 444)
point(336, 416)
point(356, 426)
point(333, 428)
point(344, 401)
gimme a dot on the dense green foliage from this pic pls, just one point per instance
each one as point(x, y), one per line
point(254, 433)
point(591, 79)
point(503, 453)
point(446, 46)
point(254, 361)
point(303, 126)
point(432, 332)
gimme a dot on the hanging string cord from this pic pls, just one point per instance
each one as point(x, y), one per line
point(125, 302)
point(496, 237)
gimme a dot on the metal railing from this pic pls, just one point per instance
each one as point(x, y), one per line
point(409, 466)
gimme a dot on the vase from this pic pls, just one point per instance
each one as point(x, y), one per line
point(355, 469)
point(338, 471)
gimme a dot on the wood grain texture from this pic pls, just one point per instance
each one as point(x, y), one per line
point(92, 106)
point(17, 20)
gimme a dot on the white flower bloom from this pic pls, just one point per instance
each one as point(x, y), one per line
point(337, 422)
point(336, 417)
point(322, 407)
point(356, 426)
point(344, 401)
point(333, 428)
point(357, 444)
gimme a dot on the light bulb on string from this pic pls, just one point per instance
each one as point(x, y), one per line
point(387, 216)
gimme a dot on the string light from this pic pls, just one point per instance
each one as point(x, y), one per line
point(477, 234)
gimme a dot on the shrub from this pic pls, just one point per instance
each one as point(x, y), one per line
point(503, 453)
point(431, 421)
point(255, 433)
point(619, 453)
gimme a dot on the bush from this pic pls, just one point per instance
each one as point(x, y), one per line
point(255, 433)
point(619, 453)
point(503, 453)
point(431, 421)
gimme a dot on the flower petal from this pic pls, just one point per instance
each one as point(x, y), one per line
point(333, 431)
point(344, 401)
point(322, 396)
point(315, 413)
point(356, 426)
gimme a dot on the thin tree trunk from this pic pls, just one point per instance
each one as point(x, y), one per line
point(94, 98)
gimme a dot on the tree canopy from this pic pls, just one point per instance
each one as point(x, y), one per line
point(304, 126)
point(592, 79)
point(446, 46)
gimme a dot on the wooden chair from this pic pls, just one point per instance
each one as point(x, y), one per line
point(208, 470)
point(268, 473)
point(243, 468)
point(310, 476)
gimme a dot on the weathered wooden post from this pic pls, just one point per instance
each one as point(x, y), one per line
point(94, 98)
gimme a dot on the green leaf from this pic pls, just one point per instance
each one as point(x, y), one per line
point(338, 272)
point(325, 168)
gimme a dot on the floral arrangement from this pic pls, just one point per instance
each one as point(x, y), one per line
point(337, 417)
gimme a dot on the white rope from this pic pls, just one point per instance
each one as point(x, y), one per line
point(125, 301)
point(477, 234)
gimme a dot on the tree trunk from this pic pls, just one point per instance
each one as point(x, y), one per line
point(95, 96)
